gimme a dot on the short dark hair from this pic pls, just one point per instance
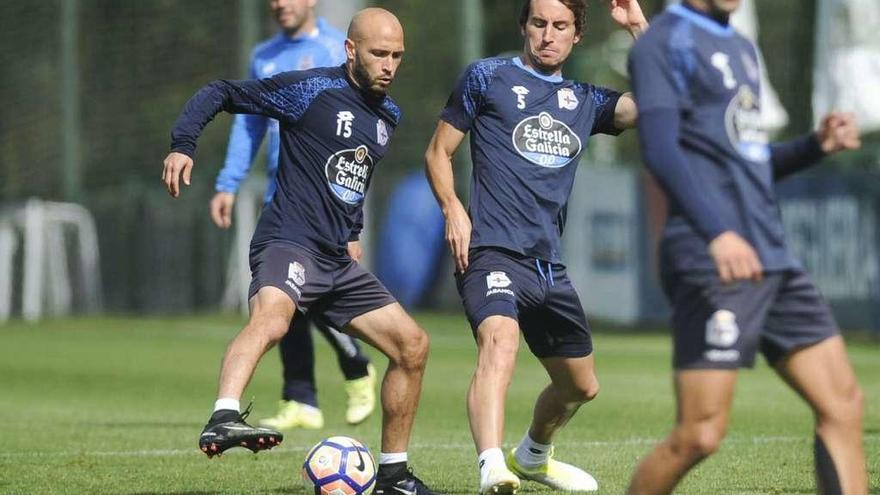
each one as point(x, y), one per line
point(577, 7)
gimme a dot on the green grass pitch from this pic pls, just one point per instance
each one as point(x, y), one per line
point(115, 405)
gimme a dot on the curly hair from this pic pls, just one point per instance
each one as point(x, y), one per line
point(577, 7)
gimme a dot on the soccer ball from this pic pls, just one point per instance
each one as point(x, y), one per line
point(339, 466)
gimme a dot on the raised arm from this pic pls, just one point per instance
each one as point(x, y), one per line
point(628, 15)
point(438, 168)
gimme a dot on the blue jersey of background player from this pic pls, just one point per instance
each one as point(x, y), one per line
point(305, 41)
point(529, 127)
point(335, 125)
point(734, 287)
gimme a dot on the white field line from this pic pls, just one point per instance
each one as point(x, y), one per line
point(416, 447)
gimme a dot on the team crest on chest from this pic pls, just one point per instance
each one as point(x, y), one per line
point(381, 132)
point(567, 99)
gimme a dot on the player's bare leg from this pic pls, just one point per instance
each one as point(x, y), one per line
point(823, 376)
point(497, 345)
point(393, 332)
point(572, 383)
point(704, 401)
point(271, 313)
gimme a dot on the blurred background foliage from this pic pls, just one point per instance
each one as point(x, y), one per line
point(86, 112)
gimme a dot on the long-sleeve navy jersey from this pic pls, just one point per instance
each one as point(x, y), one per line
point(332, 136)
point(702, 78)
point(528, 131)
point(324, 47)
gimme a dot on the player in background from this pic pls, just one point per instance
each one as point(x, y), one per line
point(528, 127)
point(335, 125)
point(733, 284)
point(305, 41)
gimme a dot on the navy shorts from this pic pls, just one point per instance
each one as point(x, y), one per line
point(336, 289)
point(538, 295)
point(720, 326)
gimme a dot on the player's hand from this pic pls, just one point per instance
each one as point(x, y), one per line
point(221, 209)
point(176, 164)
point(355, 250)
point(838, 131)
point(628, 15)
point(735, 258)
point(458, 235)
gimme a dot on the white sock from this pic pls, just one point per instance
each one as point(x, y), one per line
point(532, 454)
point(487, 460)
point(392, 458)
point(233, 404)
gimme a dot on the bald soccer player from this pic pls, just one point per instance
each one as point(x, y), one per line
point(335, 125)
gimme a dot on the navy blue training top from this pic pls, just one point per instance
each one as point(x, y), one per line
point(706, 76)
point(332, 137)
point(528, 131)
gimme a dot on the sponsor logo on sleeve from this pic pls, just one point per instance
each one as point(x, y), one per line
point(545, 141)
point(348, 172)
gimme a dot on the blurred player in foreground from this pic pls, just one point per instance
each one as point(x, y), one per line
point(335, 125)
point(733, 284)
point(528, 128)
point(305, 41)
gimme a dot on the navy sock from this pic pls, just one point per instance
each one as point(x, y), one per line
point(826, 473)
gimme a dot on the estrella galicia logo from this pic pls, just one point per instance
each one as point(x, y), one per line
point(545, 141)
point(744, 129)
point(348, 172)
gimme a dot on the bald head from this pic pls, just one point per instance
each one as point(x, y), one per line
point(373, 21)
point(374, 48)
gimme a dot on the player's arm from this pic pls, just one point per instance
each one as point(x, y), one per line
point(628, 15)
point(837, 132)
point(659, 125)
point(626, 114)
point(438, 168)
point(259, 97)
point(456, 120)
point(244, 141)
point(355, 250)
